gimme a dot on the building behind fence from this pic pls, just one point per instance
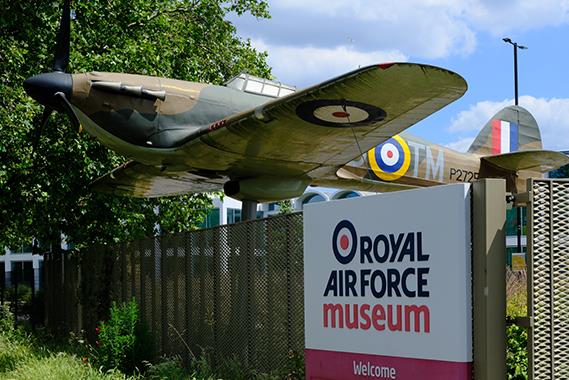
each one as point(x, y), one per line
point(236, 290)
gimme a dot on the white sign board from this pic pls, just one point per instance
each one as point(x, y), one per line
point(387, 283)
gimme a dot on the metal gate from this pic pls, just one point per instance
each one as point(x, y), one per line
point(548, 278)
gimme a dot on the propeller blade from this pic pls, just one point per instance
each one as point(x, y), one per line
point(39, 129)
point(62, 99)
point(63, 36)
point(69, 110)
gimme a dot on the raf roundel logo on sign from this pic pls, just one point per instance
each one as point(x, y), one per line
point(344, 242)
point(390, 159)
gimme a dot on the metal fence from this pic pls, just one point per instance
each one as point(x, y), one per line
point(236, 289)
point(548, 275)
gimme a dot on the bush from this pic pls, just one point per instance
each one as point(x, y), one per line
point(122, 342)
point(24, 293)
point(295, 366)
point(6, 320)
point(167, 369)
point(516, 357)
point(516, 337)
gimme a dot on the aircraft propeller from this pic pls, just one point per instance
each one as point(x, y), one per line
point(52, 90)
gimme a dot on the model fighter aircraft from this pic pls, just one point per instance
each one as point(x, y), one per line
point(261, 140)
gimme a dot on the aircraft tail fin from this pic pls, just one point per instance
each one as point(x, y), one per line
point(512, 129)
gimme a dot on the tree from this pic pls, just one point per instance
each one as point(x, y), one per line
point(48, 194)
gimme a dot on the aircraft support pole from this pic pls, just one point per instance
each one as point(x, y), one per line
point(248, 210)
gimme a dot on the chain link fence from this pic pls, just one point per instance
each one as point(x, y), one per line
point(236, 290)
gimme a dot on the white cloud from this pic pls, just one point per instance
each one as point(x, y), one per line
point(303, 66)
point(428, 29)
point(500, 17)
point(461, 145)
point(476, 116)
point(550, 114)
point(489, 15)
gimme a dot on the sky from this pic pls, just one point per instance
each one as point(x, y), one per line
point(310, 41)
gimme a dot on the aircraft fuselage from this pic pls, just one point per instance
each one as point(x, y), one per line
point(154, 121)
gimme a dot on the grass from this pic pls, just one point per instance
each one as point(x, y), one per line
point(60, 366)
point(516, 293)
point(21, 357)
point(27, 358)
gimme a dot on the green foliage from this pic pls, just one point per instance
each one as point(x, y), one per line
point(13, 350)
point(6, 320)
point(295, 366)
point(167, 369)
point(49, 195)
point(122, 343)
point(234, 369)
point(516, 359)
point(516, 293)
point(8, 328)
point(201, 368)
point(285, 207)
point(516, 337)
point(25, 357)
point(59, 366)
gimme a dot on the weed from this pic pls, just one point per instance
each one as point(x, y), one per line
point(122, 342)
point(516, 293)
point(166, 369)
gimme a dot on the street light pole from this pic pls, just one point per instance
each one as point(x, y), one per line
point(516, 47)
point(519, 209)
point(516, 71)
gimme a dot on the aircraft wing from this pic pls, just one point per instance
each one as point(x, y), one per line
point(534, 160)
point(332, 123)
point(135, 179)
point(308, 134)
point(363, 184)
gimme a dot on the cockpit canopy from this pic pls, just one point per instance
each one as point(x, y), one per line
point(259, 86)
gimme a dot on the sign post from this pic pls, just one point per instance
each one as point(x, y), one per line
point(387, 286)
point(488, 272)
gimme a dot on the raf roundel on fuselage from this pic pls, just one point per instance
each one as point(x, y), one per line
point(390, 160)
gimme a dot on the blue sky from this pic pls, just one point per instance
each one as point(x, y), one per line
point(310, 41)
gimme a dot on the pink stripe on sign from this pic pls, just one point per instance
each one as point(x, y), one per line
point(331, 365)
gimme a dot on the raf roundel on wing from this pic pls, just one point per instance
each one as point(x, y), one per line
point(390, 160)
point(339, 113)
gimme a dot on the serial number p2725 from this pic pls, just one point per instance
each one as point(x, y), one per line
point(462, 175)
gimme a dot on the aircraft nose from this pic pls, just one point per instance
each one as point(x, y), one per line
point(43, 87)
